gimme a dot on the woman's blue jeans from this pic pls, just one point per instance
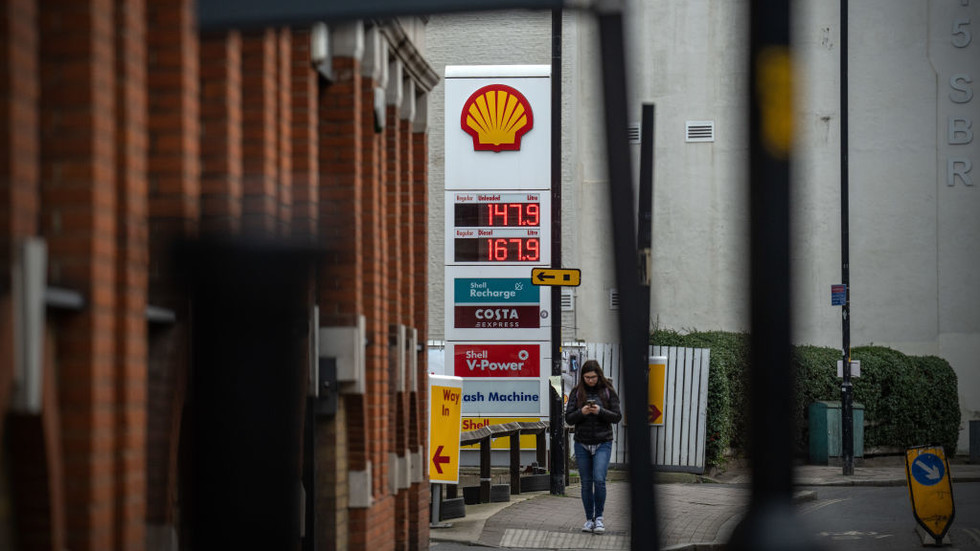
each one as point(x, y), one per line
point(592, 470)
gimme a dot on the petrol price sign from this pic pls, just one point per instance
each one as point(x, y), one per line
point(498, 228)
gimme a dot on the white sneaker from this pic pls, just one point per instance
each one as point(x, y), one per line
point(589, 526)
point(599, 528)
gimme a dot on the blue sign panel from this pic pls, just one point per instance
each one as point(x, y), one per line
point(838, 295)
point(928, 469)
point(496, 290)
point(503, 396)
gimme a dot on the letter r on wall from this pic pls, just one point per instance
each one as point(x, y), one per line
point(961, 168)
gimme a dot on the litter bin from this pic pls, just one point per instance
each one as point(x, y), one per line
point(825, 431)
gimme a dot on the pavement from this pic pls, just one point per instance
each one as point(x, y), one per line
point(695, 513)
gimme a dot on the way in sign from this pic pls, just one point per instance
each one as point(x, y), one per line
point(452, 397)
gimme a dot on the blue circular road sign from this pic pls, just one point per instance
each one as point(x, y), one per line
point(928, 469)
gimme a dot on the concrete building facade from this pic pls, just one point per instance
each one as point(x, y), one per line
point(914, 256)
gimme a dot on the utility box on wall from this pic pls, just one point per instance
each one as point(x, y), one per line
point(825, 431)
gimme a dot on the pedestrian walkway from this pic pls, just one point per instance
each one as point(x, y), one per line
point(690, 515)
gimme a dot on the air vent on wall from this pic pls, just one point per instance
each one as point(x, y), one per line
point(613, 299)
point(633, 132)
point(567, 300)
point(700, 131)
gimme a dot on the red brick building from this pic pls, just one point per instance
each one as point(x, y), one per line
point(124, 131)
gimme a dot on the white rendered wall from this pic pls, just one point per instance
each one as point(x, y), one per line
point(914, 239)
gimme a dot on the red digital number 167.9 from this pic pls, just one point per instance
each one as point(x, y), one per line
point(525, 250)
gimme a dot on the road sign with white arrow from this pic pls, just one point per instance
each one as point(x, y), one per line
point(930, 489)
point(564, 277)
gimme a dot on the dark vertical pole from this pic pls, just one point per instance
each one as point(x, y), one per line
point(633, 335)
point(644, 229)
point(557, 417)
point(246, 391)
point(309, 474)
point(770, 523)
point(847, 414)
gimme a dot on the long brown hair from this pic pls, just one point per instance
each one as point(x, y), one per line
point(589, 367)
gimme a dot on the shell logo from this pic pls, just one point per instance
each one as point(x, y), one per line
point(497, 116)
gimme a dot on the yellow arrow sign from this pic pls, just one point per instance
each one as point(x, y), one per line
point(930, 490)
point(445, 415)
point(656, 383)
point(564, 277)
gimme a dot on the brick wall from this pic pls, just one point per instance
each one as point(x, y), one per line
point(78, 179)
point(132, 235)
point(124, 130)
point(304, 163)
point(174, 198)
point(259, 132)
point(19, 151)
point(284, 142)
point(221, 132)
point(419, 514)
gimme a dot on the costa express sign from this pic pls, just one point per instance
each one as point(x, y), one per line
point(498, 317)
point(497, 360)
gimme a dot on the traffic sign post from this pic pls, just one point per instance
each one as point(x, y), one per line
point(656, 383)
point(930, 489)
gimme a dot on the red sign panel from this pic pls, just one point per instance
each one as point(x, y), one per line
point(497, 360)
point(498, 317)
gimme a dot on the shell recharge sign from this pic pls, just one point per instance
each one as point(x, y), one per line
point(498, 227)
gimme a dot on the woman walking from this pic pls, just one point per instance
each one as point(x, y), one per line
point(593, 408)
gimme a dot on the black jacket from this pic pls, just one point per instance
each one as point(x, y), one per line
point(593, 429)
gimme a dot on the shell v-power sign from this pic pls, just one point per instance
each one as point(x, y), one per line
point(498, 227)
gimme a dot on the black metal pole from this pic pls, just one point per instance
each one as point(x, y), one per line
point(770, 522)
point(846, 391)
point(557, 417)
point(246, 391)
point(633, 335)
point(644, 226)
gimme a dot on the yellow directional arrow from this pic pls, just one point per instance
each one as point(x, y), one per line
point(570, 277)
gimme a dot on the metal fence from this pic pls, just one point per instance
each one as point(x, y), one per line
point(678, 444)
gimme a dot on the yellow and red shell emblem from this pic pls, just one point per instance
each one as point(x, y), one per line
point(497, 116)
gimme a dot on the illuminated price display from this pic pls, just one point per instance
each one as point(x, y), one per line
point(498, 228)
point(495, 215)
point(498, 249)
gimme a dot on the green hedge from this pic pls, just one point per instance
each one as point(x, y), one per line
point(908, 400)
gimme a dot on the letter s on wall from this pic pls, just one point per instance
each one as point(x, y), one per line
point(967, 91)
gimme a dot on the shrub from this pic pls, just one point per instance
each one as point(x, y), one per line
point(908, 400)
